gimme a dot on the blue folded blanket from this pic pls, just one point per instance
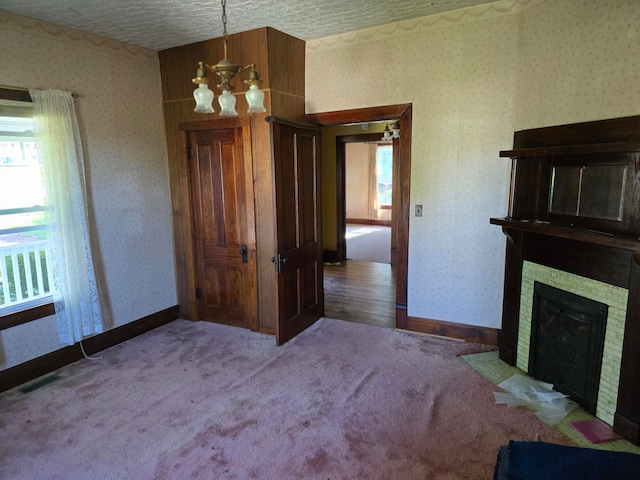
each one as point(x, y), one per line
point(547, 461)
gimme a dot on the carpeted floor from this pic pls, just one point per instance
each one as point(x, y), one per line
point(369, 243)
point(206, 401)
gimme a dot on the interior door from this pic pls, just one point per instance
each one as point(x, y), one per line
point(224, 225)
point(298, 259)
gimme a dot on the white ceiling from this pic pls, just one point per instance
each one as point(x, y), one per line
point(161, 24)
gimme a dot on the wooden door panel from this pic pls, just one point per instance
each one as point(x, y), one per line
point(307, 174)
point(221, 183)
point(224, 294)
point(288, 208)
point(309, 285)
point(298, 245)
point(221, 189)
point(290, 295)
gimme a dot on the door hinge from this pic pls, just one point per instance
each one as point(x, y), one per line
point(189, 151)
point(198, 293)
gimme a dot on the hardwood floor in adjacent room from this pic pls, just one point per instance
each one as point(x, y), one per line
point(362, 292)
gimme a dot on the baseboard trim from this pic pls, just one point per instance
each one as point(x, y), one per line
point(14, 376)
point(401, 316)
point(458, 331)
point(268, 330)
point(368, 221)
point(330, 256)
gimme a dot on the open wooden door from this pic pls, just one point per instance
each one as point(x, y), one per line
point(298, 259)
point(224, 226)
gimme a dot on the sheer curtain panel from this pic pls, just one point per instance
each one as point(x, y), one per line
point(75, 293)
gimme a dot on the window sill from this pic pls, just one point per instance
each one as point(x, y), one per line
point(24, 316)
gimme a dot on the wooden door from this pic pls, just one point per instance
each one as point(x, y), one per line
point(224, 226)
point(298, 259)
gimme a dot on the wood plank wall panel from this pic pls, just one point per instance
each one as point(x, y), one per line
point(177, 68)
point(286, 62)
point(288, 106)
point(279, 58)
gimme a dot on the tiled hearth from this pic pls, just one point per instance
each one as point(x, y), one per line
point(611, 295)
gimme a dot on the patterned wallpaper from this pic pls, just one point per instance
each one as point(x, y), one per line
point(579, 60)
point(473, 77)
point(120, 114)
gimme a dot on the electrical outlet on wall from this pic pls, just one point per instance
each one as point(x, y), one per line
point(418, 210)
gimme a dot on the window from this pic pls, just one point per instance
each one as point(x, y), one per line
point(24, 277)
point(384, 175)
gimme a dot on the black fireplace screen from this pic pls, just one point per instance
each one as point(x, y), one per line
point(567, 341)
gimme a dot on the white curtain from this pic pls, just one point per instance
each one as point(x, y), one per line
point(75, 294)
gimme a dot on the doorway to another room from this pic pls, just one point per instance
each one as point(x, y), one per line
point(362, 291)
point(368, 172)
point(362, 287)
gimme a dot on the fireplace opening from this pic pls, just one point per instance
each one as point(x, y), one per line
point(567, 342)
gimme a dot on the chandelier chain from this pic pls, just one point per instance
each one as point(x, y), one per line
point(224, 18)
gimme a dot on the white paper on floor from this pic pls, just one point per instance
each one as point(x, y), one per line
point(549, 405)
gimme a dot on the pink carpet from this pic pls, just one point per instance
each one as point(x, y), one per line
point(206, 401)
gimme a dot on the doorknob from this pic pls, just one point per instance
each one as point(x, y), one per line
point(278, 261)
point(244, 253)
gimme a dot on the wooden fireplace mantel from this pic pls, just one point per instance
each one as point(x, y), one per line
point(628, 242)
point(604, 250)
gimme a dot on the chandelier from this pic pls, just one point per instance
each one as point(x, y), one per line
point(226, 70)
point(388, 134)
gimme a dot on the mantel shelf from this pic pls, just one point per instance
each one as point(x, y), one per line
point(625, 242)
point(616, 147)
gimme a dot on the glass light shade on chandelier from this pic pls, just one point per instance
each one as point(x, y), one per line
point(204, 99)
point(227, 104)
point(255, 100)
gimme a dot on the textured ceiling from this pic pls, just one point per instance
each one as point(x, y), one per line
point(161, 24)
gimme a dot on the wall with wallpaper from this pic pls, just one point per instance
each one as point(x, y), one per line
point(579, 60)
point(474, 76)
point(120, 115)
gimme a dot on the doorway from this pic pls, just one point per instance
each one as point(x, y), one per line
point(361, 286)
point(368, 193)
point(398, 293)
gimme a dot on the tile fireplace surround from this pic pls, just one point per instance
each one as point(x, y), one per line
point(611, 295)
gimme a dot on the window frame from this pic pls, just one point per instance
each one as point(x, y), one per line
point(46, 309)
point(386, 206)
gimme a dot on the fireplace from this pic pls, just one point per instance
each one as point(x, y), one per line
point(615, 298)
point(574, 226)
point(567, 341)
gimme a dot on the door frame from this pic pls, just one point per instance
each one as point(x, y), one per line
point(402, 113)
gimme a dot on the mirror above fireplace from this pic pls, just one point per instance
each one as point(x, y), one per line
point(591, 191)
